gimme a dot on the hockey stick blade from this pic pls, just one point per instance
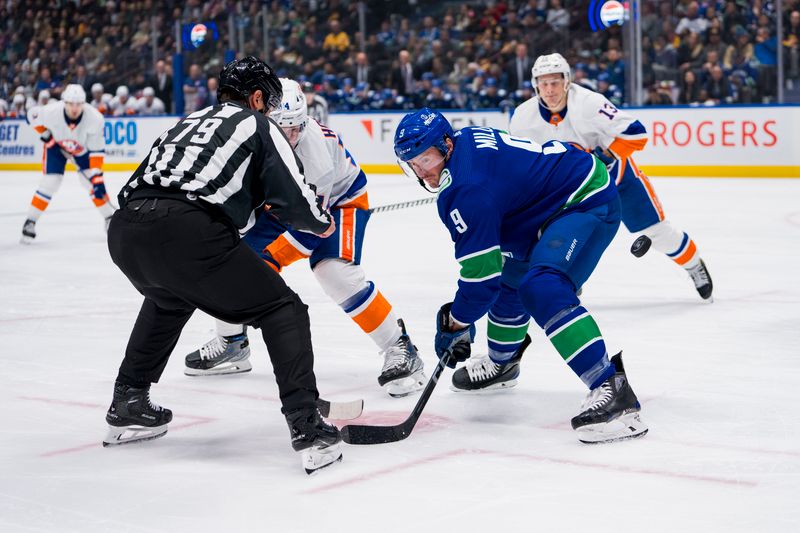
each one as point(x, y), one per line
point(361, 434)
point(340, 410)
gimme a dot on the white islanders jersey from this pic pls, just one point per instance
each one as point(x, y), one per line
point(328, 165)
point(589, 120)
point(74, 139)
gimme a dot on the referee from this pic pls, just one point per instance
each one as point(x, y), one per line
point(176, 238)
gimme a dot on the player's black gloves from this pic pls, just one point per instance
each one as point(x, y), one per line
point(457, 343)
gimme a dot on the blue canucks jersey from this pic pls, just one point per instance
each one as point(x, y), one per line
point(497, 194)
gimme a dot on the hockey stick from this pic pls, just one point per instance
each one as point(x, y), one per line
point(402, 205)
point(340, 410)
point(358, 434)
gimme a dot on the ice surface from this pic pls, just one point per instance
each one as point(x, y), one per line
point(717, 382)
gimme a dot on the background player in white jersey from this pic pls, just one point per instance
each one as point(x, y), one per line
point(335, 260)
point(71, 130)
point(122, 104)
point(568, 112)
point(149, 104)
point(100, 98)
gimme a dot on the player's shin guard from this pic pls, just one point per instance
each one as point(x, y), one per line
point(346, 284)
point(576, 337)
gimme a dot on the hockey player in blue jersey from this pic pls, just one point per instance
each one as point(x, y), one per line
point(529, 223)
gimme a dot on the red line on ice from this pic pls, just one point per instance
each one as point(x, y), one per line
point(536, 458)
point(196, 421)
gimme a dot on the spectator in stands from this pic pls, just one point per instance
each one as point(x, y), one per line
point(766, 53)
point(336, 40)
point(212, 85)
point(402, 76)
point(791, 44)
point(690, 89)
point(557, 16)
point(82, 78)
point(714, 42)
point(161, 82)
point(194, 90)
point(149, 104)
point(438, 98)
point(518, 70)
point(692, 21)
point(712, 60)
point(690, 52)
point(362, 71)
point(46, 82)
point(717, 88)
point(738, 54)
point(615, 68)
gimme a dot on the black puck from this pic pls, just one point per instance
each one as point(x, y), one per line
point(641, 245)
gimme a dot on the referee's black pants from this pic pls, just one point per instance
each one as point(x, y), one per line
point(182, 258)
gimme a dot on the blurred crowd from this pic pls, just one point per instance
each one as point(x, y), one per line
point(444, 54)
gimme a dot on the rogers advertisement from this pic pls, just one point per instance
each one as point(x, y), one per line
point(758, 141)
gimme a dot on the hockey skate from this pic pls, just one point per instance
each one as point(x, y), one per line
point(132, 417)
point(402, 373)
point(611, 411)
point(482, 374)
point(28, 232)
point(318, 441)
point(220, 355)
point(702, 280)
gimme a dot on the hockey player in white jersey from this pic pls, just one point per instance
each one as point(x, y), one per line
point(150, 104)
point(335, 260)
point(71, 130)
point(568, 112)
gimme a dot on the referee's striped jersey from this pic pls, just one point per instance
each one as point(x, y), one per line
point(234, 159)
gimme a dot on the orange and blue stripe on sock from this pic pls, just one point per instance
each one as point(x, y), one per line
point(40, 200)
point(368, 308)
point(685, 252)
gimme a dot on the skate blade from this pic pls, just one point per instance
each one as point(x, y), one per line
point(118, 436)
point(230, 367)
point(627, 426)
point(400, 388)
point(491, 388)
point(26, 240)
point(316, 458)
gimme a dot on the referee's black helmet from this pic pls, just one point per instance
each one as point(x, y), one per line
point(241, 77)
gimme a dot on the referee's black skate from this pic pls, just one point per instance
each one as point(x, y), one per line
point(702, 280)
point(483, 374)
point(318, 441)
point(220, 355)
point(611, 411)
point(133, 417)
point(402, 373)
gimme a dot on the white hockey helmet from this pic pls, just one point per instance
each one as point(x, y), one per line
point(293, 110)
point(44, 96)
point(74, 93)
point(122, 91)
point(97, 88)
point(550, 64)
